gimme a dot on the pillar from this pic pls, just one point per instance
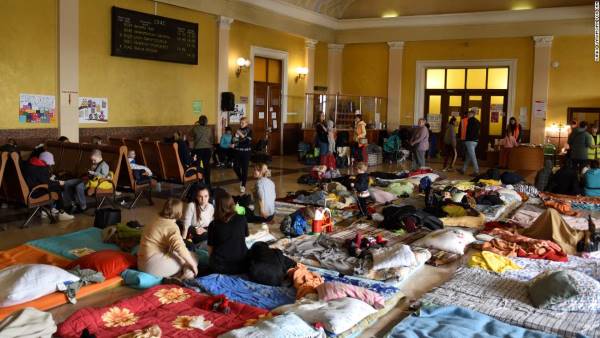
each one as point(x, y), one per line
point(222, 69)
point(309, 61)
point(68, 66)
point(539, 92)
point(394, 84)
point(334, 68)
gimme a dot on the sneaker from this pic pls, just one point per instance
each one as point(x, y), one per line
point(63, 216)
point(44, 214)
point(242, 189)
point(54, 211)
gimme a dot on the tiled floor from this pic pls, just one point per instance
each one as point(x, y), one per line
point(285, 172)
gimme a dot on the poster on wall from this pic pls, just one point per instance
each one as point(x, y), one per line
point(539, 109)
point(435, 122)
point(238, 112)
point(523, 118)
point(93, 109)
point(197, 107)
point(37, 108)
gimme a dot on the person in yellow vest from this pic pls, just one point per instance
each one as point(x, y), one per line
point(594, 150)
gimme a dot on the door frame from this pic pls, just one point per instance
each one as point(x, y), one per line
point(419, 107)
point(271, 54)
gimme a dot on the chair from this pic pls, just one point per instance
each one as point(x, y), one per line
point(70, 160)
point(113, 156)
point(115, 141)
point(15, 188)
point(136, 145)
point(128, 183)
point(152, 158)
point(174, 170)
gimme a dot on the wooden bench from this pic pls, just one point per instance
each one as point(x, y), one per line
point(15, 188)
point(128, 183)
point(174, 172)
point(152, 159)
point(136, 145)
point(113, 156)
point(115, 141)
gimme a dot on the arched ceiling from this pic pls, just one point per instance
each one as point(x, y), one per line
point(357, 9)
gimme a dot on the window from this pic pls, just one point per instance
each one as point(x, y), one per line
point(497, 78)
point(476, 78)
point(467, 78)
point(455, 79)
point(435, 78)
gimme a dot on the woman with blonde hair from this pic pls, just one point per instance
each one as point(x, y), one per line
point(264, 196)
point(162, 250)
point(227, 237)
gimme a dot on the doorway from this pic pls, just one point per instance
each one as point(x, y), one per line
point(267, 123)
point(450, 92)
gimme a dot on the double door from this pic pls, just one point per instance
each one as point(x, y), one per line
point(267, 103)
point(489, 105)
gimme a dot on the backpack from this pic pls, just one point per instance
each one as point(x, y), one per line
point(397, 217)
point(508, 177)
point(294, 225)
point(267, 266)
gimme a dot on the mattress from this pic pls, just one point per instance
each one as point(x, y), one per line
point(67, 245)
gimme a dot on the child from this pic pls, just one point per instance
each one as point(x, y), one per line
point(138, 169)
point(264, 196)
point(331, 136)
point(224, 148)
point(508, 142)
point(361, 185)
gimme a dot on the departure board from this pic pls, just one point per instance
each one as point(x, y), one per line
point(145, 36)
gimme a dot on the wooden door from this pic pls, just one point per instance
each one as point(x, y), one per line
point(274, 118)
point(267, 103)
point(259, 124)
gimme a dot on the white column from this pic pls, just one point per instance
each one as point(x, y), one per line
point(222, 68)
point(394, 84)
point(334, 68)
point(309, 62)
point(68, 65)
point(541, 81)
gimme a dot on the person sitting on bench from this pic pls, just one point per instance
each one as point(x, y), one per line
point(264, 196)
point(139, 171)
point(74, 189)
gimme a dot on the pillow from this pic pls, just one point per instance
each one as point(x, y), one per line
point(393, 257)
point(286, 325)
point(565, 290)
point(450, 240)
point(25, 282)
point(336, 316)
point(140, 280)
point(110, 262)
point(336, 290)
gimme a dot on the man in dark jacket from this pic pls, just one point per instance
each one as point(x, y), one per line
point(469, 135)
point(579, 143)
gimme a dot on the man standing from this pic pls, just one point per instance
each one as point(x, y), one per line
point(580, 141)
point(469, 135)
point(593, 151)
point(420, 144)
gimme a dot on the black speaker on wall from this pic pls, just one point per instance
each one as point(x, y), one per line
point(227, 101)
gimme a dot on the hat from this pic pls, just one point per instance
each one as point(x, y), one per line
point(47, 157)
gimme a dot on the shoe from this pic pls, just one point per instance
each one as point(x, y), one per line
point(63, 216)
point(475, 174)
point(445, 169)
point(242, 189)
point(44, 214)
point(461, 171)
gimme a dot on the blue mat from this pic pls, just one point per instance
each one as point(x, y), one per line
point(90, 238)
point(452, 321)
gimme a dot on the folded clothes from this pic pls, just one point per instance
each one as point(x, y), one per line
point(305, 281)
point(490, 261)
point(511, 244)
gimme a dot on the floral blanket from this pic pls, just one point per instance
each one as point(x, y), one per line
point(173, 308)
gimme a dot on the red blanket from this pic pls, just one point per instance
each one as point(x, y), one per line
point(511, 244)
point(169, 306)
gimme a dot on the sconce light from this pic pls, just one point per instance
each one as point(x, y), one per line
point(242, 64)
point(302, 72)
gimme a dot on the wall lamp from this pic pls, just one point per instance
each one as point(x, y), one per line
point(242, 64)
point(302, 72)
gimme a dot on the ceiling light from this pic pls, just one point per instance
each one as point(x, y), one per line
point(389, 14)
point(520, 6)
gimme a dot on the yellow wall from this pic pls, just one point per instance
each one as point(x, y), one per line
point(503, 48)
point(142, 92)
point(28, 56)
point(241, 37)
point(365, 69)
point(576, 82)
point(321, 63)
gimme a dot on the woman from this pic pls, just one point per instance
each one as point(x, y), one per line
point(360, 137)
point(243, 146)
point(198, 215)
point(162, 249)
point(322, 140)
point(264, 196)
point(508, 142)
point(203, 145)
point(515, 129)
point(450, 145)
point(227, 238)
point(182, 148)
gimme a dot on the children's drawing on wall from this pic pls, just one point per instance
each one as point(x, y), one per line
point(93, 110)
point(237, 113)
point(37, 108)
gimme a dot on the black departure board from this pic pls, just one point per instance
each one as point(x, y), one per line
point(145, 36)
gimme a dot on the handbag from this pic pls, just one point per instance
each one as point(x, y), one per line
point(363, 141)
point(106, 217)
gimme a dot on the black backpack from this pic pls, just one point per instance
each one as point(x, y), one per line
point(393, 215)
point(267, 266)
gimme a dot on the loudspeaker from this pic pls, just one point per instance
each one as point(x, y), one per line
point(227, 101)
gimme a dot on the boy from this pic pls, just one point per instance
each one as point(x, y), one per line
point(361, 185)
point(75, 188)
point(224, 148)
point(141, 170)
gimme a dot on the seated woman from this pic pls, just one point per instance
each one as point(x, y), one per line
point(565, 180)
point(198, 215)
point(591, 180)
point(162, 250)
point(227, 238)
point(264, 196)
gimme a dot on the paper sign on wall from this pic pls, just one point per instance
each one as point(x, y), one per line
point(261, 115)
point(93, 109)
point(274, 124)
point(37, 108)
point(243, 99)
point(539, 109)
point(435, 122)
point(523, 117)
point(238, 112)
point(197, 107)
point(273, 115)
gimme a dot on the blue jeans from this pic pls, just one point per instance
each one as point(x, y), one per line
point(418, 160)
point(323, 148)
point(74, 189)
point(470, 155)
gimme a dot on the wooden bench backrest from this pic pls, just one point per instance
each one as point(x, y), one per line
point(171, 163)
point(136, 146)
point(56, 148)
point(70, 159)
point(14, 187)
point(153, 159)
point(115, 141)
point(3, 159)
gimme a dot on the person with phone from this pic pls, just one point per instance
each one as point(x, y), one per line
point(198, 215)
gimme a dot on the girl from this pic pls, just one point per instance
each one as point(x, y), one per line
point(360, 137)
point(198, 215)
point(508, 142)
point(331, 136)
point(264, 196)
point(243, 147)
point(515, 128)
point(227, 238)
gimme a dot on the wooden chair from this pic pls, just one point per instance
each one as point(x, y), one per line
point(2, 165)
point(128, 183)
point(174, 170)
point(115, 141)
point(15, 188)
point(113, 156)
point(152, 158)
point(70, 161)
point(136, 145)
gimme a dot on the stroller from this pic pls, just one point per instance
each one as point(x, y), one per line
point(392, 149)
